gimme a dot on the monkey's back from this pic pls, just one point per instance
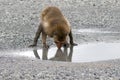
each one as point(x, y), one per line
point(51, 13)
point(53, 20)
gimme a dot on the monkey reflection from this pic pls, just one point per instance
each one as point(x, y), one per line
point(63, 55)
point(59, 56)
point(44, 53)
point(36, 54)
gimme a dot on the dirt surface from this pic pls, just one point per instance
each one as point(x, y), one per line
point(28, 69)
point(19, 20)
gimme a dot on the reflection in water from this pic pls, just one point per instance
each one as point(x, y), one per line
point(61, 55)
point(82, 53)
point(36, 54)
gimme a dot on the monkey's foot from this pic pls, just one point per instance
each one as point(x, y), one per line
point(33, 45)
point(74, 44)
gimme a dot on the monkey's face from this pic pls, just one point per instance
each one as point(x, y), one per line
point(59, 40)
point(59, 44)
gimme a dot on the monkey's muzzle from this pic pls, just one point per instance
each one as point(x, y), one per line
point(59, 45)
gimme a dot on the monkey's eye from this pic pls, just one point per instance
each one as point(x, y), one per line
point(59, 42)
point(56, 42)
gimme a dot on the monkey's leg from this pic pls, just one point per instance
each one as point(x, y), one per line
point(44, 37)
point(71, 38)
point(37, 35)
point(36, 54)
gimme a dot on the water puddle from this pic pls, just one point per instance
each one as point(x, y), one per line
point(81, 53)
point(91, 31)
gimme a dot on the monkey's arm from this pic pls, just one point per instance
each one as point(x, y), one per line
point(71, 39)
point(37, 35)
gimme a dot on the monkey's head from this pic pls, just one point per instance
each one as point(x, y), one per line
point(61, 30)
point(60, 38)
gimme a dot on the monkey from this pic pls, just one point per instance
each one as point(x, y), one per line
point(55, 25)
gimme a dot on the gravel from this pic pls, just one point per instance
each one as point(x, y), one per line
point(18, 23)
point(32, 69)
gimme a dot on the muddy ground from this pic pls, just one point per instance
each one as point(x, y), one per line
point(18, 23)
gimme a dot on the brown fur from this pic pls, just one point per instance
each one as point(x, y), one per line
point(55, 25)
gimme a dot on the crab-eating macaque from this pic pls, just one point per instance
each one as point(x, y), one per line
point(55, 25)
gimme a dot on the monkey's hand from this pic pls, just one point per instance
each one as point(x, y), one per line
point(74, 44)
point(33, 45)
point(66, 45)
